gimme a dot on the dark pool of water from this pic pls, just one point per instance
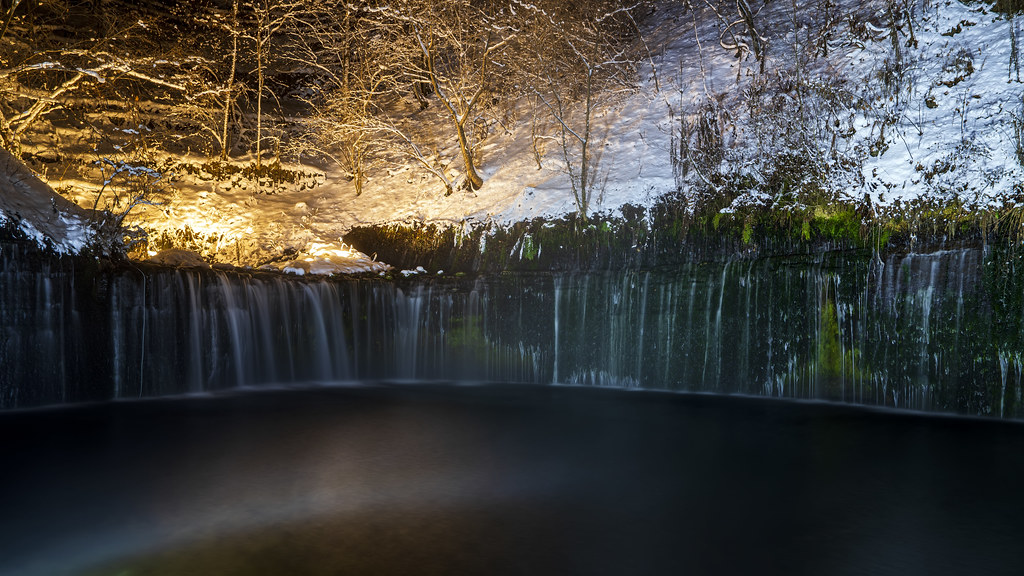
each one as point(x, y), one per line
point(431, 479)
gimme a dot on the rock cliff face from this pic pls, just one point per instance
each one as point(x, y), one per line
point(31, 207)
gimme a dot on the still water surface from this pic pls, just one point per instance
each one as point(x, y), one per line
point(437, 479)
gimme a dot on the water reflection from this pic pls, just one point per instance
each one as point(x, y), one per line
point(505, 479)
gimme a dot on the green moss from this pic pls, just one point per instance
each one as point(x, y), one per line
point(467, 334)
point(668, 233)
point(832, 367)
point(832, 356)
point(839, 223)
point(529, 249)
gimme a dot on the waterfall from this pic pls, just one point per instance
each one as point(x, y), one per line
point(850, 327)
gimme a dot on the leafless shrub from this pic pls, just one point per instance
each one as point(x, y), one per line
point(1017, 132)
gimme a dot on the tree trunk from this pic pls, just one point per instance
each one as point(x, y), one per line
point(224, 147)
point(11, 142)
point(472, 176)
point(585, 148)
point(9, 16)
point(358, 151)
point(358, 179)
point(259, 107)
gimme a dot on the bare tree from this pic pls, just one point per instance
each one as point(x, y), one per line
point(111, 59)
point(459, 45)
point(371, 56)
point(582, 60)
point(448, 52)
point(740, 31)
point(269, 17)
point(230, 93)
point(44, 83)
point(353, 70)
point(8, 17)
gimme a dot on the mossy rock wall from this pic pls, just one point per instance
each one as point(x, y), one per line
point(669, 235)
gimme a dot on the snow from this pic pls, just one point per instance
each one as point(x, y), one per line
point(327, 259)
point(77, 232)
point(179, 258)
point(948, 135)
point(963, 128)
point(38, 212)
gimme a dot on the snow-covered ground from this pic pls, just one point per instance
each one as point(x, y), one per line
point(954, 134)
point(924, 102)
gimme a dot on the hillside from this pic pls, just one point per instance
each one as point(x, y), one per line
point(892, 108)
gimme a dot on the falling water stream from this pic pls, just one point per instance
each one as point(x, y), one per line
point(489, 425)
point(940, 331)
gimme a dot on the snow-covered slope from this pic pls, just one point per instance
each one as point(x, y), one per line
point(36, 211)
point(897, 102)
point(956, 131)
